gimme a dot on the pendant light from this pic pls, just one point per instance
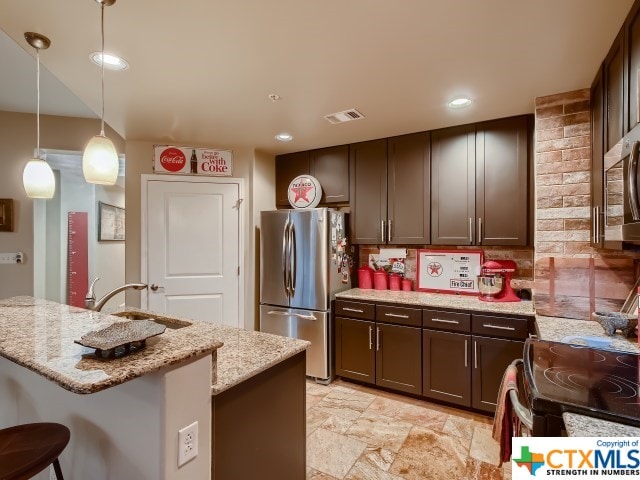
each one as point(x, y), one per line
point(37, 177)
point(100, 160)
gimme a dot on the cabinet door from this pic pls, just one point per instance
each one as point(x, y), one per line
point(501, 184)
point(631, 66)
point(614, 91)
point(288, 167)
point(597, 162)
point(355, 356)
point(331, 167)
point(445, 366)
point(399, 358)
point(368, 192)
point(491, 356)
point(409, 202)
point(453, 181)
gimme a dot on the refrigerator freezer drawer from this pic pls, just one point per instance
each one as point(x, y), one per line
point(313, 326)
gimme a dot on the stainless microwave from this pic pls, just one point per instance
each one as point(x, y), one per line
point(622, 192)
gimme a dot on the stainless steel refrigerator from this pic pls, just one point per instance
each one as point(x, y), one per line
point(304, 262)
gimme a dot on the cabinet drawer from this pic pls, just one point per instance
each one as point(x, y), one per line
point(399, 315)
point(450, 321)
point(365, 311)
point(507, 327)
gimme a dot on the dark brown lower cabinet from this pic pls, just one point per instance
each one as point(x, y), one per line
point(491, 356)
point(445, 366)
point(355, 354)
point(398, 358)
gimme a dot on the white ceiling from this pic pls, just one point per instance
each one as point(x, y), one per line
point(201, 70)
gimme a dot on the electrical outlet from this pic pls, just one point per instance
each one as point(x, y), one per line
point(187, 443)
point(17, 257)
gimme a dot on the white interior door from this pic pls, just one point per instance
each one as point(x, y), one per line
point(192, 250)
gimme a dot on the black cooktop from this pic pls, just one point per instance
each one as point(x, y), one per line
point(568, 378)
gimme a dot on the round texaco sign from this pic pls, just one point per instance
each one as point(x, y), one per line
point(304, 192)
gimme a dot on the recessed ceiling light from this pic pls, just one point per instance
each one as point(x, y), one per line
point(274, 97)
point(111, 62)
point(284, 137)
point(460, 102)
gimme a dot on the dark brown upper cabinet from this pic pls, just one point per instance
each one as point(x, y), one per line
point(288, 167)
point(613, 71)
point(329, 165)
point(631, 66)
point(479, 184)
point(368, 191)
point(597, 161)
point(390, 202)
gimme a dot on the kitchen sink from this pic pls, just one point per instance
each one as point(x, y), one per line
point(170, 323)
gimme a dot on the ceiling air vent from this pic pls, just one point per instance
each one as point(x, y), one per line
point(345, 116)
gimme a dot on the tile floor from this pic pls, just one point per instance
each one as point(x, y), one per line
point(359, 433)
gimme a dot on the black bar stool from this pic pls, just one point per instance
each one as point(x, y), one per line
point(26, 450)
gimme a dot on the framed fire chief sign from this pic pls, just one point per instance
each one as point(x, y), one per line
point(192, 161)
point(449, 271)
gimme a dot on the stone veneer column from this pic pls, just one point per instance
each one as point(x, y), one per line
point(563, 174)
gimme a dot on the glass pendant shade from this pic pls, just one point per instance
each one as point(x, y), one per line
point(100, 161)
point(38, 179)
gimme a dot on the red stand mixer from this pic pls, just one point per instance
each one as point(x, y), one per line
point(494, 281)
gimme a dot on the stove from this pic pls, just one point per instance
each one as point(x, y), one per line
point(560, 377)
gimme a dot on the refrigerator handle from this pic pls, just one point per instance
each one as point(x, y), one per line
point(292, 261)
point(285, 256)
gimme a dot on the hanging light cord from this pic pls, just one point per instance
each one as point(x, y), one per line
point(102, 66)
point(38, 105)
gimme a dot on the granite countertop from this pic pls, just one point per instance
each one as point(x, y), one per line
point(424, 299)
point(556, 329)
point(39, 335)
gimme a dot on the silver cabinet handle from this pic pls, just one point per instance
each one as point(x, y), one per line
point(466, 353)
point(293, 252)
point(285, 256)
point(290, 314)
point(348, 309)
point(441, 320)
point(377, 339)
point(382, 222)
point(597, 225)
point(594, 225)
point(470, 230)
point(370, 338)
point(498, 327)
point(475, 354)
point(479, 230)
point(389, 231)
point(397, 315)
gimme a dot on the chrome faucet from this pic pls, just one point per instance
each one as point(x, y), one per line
point(90, 298)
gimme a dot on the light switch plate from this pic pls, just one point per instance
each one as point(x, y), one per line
point(7, 258)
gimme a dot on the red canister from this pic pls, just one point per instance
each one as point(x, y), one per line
point(365, 277)
point(394, 281)
point(380, 280)
point(407, 285)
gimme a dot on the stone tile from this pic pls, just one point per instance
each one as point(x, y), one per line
point(313, 474)
point(386, 406)
point(315, 418)
point(424, 417)
point(312, 400)
point(477, 470)
point(459, 427)
point(337, 424)
point(331, 453)
point(381, 457)
point(380, 431)
point(364, 469)
point(429, 455)
point(345, 402)
point(484, 447)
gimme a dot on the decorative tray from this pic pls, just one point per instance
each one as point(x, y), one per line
point(121, 334)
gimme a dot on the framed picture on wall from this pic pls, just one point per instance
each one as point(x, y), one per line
point(6, 215)
point(110, 223)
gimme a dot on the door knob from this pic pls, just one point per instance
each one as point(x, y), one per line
point(154, 287)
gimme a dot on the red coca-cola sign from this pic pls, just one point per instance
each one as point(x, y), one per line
point(172, 159)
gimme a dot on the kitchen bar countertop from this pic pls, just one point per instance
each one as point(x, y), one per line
point(39, 335)
point(440, 300)
point(556, 329)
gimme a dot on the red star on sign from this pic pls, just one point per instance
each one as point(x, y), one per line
point(301, 193)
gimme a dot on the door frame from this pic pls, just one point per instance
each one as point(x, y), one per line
point(144, 186)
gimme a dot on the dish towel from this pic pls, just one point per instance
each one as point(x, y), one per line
point(505, 423)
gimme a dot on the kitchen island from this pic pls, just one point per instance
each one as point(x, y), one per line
point(124, 413)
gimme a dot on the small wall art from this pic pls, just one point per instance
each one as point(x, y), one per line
point(110, 223)
point(6, 215)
